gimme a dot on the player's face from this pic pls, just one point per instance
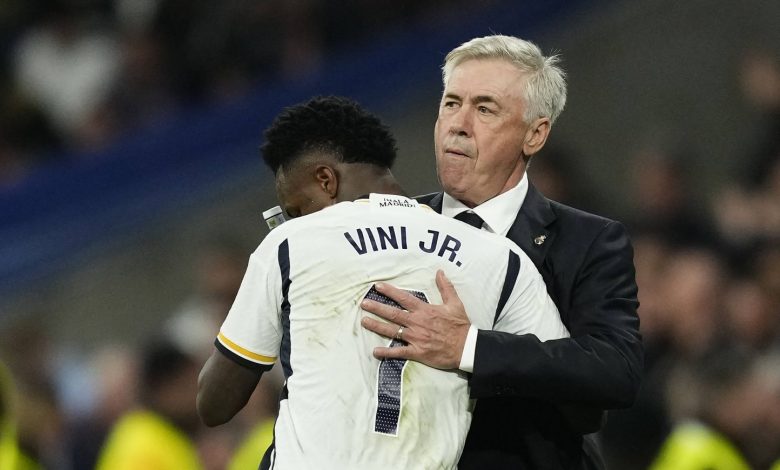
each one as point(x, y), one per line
point(480, 131)
point(300, 193)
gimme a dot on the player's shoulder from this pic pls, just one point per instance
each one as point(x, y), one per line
point(283, 232)
point(312, 225)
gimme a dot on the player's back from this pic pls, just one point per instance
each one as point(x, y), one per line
point(344, 408)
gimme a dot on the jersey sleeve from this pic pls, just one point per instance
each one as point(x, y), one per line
point(526, 306)
point(252, 331)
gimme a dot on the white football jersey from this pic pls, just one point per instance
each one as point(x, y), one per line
point(299, 303)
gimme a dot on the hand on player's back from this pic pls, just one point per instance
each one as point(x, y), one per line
point(435, 334)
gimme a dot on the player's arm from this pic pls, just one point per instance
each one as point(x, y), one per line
point(249, 339)
point(224, 387)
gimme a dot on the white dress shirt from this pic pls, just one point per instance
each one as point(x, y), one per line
point(498, 214)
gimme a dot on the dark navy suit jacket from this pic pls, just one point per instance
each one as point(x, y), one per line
point(538, 401)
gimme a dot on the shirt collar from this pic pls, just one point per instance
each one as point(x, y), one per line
point(498, 213)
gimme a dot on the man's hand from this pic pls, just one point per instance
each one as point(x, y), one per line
point(435, 334)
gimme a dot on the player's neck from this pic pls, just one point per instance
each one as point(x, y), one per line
point(387, 184)
point(371, 180)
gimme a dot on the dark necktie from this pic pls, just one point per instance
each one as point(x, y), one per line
point(470, 218)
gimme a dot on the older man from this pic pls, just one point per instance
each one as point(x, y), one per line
point(538, 400)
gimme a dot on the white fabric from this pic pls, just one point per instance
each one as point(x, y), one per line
point(469, 350)
point(498, 213)
point(328, 419)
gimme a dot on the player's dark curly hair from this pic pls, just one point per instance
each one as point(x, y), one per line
point(331, 124)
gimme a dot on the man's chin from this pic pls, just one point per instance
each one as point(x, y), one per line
point(458, 192)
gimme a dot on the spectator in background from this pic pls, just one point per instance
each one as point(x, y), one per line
point(749, 219)
point(26, 135)
point(736, 422)
point(93, 69)
point(553, 176)
point(693, 285)
point(40, 420)
point(662, 200)
point(69, 68)
point(219, 267)
point(766, 266)
point(220, 49)
point(749, 214)
point(751, 316)
point(694, 295)
point(114, 389)
point(759, 77)
point(144, 91)
point(158, 435)
point(12, 457)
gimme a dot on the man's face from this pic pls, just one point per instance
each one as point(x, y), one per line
point(299, 191)
point(480, 131)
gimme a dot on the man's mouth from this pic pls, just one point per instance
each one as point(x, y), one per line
point(456, 152)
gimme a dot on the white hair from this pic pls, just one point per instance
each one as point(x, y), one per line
point(545, 80)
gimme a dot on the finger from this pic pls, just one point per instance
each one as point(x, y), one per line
point(398, 352)
point(388, 312)
point(388, 330)
point(446, 289)
point(404, 298)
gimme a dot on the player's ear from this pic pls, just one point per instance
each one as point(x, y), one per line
point(328, 179)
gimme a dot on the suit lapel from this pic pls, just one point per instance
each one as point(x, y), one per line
point(530, 229)
point(434, 202)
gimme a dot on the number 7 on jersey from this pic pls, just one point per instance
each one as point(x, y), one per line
point(389, 396)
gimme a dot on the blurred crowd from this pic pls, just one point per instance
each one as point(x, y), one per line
point(71, 411)
point(708, 273)
point(76, 73)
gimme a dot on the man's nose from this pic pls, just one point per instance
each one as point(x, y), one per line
point(461, 122)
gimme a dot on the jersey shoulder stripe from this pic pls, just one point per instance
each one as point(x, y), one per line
point(512, 271)
point(283, 258)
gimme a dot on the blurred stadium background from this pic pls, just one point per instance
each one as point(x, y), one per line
point(131, 186)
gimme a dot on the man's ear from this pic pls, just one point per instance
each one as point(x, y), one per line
point(536, 136)
point(328, 179)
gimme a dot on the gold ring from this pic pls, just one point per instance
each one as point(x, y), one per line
point(399, 334)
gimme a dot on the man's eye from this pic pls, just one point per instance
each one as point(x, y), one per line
point(450, 104)
point(485, 110)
